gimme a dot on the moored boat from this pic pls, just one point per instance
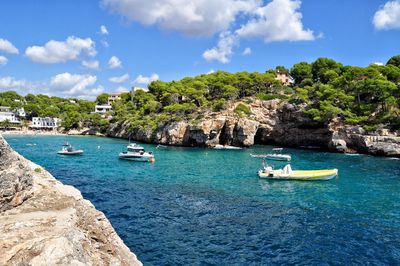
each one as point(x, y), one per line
point(135, 152)
point(226, 147)
point(304, 175)
point(68, 149)
point(273, 156)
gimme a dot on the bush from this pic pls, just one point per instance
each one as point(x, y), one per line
point(242, 109)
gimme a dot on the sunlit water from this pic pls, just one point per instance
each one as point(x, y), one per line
point(202, 206)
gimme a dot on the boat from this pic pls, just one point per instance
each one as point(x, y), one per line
point(68, 149)
point(226, 147)
point(267, 172)
point(273, 156)
point(135, 152)
point(159, 146)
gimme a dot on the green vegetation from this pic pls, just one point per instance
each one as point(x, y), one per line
point(73, 112)
point(38, 170)
point(242, 110)
point(366, 96)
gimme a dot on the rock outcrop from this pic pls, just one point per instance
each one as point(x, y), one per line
point(271, 122)
point(43, 222)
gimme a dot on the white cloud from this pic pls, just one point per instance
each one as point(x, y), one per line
point(146, 80)
point(388, 16)
point(3, 60)
point(223, 51)
point(279, 20)
point(121, 79)
point(8, 83)
point(211, 71)
point(103, 30)
point(122, 89)
point(59, 52)
point(114, 62)
point(63, 85)
point(247, 51)
point(201, 17)
point(95, 65)
point(7, 47)
point(72, 84)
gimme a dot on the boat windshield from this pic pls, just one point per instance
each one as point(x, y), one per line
point(135, 149)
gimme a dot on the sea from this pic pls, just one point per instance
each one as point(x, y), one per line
point(197, 206)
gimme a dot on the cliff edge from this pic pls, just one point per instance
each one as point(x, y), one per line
point(43, 222)
point(270, 122)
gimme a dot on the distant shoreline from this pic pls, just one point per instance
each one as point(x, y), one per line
point(32, 132)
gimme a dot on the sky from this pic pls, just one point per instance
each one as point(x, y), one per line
point(75, 48)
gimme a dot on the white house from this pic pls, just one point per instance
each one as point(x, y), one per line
point(7, 114)
point(20, 112)
point(102, 109)
point(45, 122)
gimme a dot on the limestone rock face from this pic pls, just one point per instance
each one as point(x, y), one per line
point(43, 222)
point(270, 122)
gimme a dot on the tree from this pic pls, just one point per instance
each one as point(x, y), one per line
point(102, 98)
point(300, 72)
point(395, 61)
point(321, 66)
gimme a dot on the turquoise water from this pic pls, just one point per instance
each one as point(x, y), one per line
point(199, 206)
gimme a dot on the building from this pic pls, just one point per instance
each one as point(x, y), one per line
point(286, 79)
point(20, 112)
point(45, 122)
point(7, 115)
point(102, 109)
point(115, 97)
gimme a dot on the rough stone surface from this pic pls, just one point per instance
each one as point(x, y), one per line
point(43, 222)
point(271, 122)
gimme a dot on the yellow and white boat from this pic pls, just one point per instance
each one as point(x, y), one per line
point(288, 174)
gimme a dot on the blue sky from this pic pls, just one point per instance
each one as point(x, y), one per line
point(171, 39)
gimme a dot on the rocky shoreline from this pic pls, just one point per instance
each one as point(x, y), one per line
point(270, 122)
point(43, 222)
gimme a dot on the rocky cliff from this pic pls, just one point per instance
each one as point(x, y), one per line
point(270, 122)
point(43, 222)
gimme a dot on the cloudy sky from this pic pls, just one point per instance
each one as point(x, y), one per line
point(76, 48)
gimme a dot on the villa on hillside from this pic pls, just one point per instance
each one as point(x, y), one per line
point(285, 78)
point(115, 96)
point(102, 109)
point(6, 114)
point(45, 122)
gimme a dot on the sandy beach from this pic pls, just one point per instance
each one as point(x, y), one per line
point(32, 132)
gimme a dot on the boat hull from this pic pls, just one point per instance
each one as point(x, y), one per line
point(137, 158)
point(285, 158)
point(78, 152)
point(301, 175)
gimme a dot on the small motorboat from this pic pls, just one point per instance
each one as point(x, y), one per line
point(226, 147)
point(67, 149)
point(267, 172)
point(159, 146)
point(135, 152)
point(273, 156)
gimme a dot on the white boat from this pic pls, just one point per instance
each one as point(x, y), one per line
point(303, 175)
point(135, 152)
point(273, 156)
point(226, 147)
point(67, 149)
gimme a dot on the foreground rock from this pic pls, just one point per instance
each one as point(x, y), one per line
point(43, 222)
